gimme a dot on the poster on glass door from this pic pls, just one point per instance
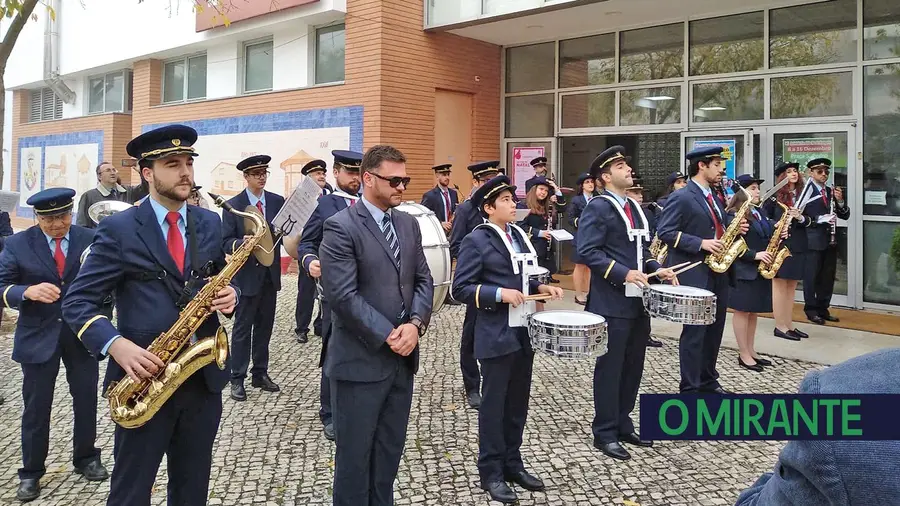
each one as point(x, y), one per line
point(803, 150)
point(522, 170)
point(728, 156)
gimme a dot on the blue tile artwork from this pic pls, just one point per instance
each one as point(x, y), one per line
point(43, 141)
point(351, 116)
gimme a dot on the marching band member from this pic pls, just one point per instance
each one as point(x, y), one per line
point(37, 267)
point(381, 290)
point(784, 284)
point(675, 181)
point(542, 206)
point(752, 293)
point(466, 218)
point(821, 261)
point(306, 284)
point(155, 257)
point(346, 175)
point(581, 275)
point(539, 165)
point(609, 246)
point(259, 284)
point(442, 200)
point(485, 278)
point(692, 224)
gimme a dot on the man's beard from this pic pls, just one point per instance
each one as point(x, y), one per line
point(348, 189)
point(170, 191)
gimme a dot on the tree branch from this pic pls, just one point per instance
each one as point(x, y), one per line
point(15, 28)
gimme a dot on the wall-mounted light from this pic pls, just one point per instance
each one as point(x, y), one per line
point(659, 98)
point(713, 108)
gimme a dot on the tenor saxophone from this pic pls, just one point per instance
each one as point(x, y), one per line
point(734, 245)
point(779, 253)
point(658, 248)
point(132, 404)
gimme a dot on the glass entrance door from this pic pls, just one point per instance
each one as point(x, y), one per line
point(801, 144)
point(741, 151)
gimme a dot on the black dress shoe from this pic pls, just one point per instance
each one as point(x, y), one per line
point(93, 471)
point(2, 399)
point(798, 332)
point(526, 481)
point(763, 362)
point(635, 439)
point(237, 392)
point(329, 431)
point(265, 383)
point(818, 320)
point(553, 280)
point(790, 336)
point(501, 492)
point(755, 367)
point(653, 343)
point(474, 399)
point(829, 318)
point(719, 390)
point(29, 489)
point(581, 302)
point(317, 331)
point(614, 450)
point(302, 337)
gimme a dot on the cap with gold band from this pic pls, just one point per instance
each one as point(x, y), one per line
point(819, 163)
point(254, 162)
point(602, 162)
point(491, 189)
point(163, 142)
point(313, 166)
point(442, 169)
point(52, 201)
point(481, 168)
point(350, 160)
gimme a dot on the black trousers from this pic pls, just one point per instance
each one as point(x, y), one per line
point(467, 362)
point(818, 280)
point(184, 429)
point(324, 383)
point(39, 380)
point(617, 377)
point(698, 348)
point(370, 421)
point(306, 297)
point(253, 322)
point(502, 415)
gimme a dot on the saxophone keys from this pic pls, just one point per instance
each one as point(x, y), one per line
point(140, 408)
point(173, 370)
point(156, 386)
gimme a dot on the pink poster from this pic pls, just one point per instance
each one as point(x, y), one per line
point(521, 166)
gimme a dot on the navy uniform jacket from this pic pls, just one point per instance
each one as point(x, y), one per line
point(819, 234)
point(483, 266)
point(25, 261)
point(328, 189)
point(126, 245)
point(434, 201)
point(311, 238)
point(250, 277)
point(684, 224)
point(746, 268)
point(604, 246)
point(533, 224)
point(576, 207)
point(465, 221)
point(797, 239)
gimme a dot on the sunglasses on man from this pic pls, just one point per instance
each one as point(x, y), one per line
point(394, 181)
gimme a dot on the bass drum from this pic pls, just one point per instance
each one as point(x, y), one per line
point(436, 247)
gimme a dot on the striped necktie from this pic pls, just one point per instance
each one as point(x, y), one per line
point(387, 228)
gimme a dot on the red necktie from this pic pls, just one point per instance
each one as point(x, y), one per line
point(824, 197)
point(447, 206)
point(259, 206)
point(712, 209)
point(59, 256)
point(174, 240)
point(628, 213)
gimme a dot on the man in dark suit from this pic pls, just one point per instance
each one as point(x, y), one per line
point(259, 284)
point(156, 257)
point(380, 288)
point(608, 243)
point(465, 220)
point(442, 200)
point(346, 175)
point(36, 268)
point(306, 285)
point(822, 252)
point(539, 165)
point(812, 473)
point(487, 278)
point(692, 225)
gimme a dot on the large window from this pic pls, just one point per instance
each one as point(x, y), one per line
point(110, 93)
point(530, 68)
point(530, 116)
point(184, 79)
point(652, 53)
point(813, 34)
point(881, 140)
point(728, 101)
point(586, 110)
point(654, 106)
point(728, 44)
point(330, 54)
point(44, 105)
point(881, 32)
point(587, 61)
point(811, 96)
point(881, 263)
point(258, 66)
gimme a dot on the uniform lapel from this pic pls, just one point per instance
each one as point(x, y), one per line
point(150, 233)
point(375, 229)
point(702, 202)
point(42, 249)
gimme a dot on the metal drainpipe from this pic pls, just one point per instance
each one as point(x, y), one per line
point(51, 57)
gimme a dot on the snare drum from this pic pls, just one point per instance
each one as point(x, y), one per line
point(436, 248)
point(543, 276)
point(568, 334)
point(680, 304)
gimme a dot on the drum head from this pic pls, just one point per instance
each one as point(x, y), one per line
point(568, 318)
point(681, 290)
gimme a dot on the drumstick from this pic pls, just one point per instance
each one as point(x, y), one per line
point(539, 296)
point(664, 268)
point(689, 267)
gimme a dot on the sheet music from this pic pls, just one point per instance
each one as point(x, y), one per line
point(8, 201)
point(561, 235)
point(521, 214)
point(298, 208)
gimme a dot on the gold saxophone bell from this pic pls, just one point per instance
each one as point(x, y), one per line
point(265, 249)
point(105, 208)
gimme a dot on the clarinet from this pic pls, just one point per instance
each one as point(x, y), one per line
point(834, 221)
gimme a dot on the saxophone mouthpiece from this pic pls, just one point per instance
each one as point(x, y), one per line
point(220, 201)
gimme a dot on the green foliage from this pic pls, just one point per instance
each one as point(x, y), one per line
point(895, 250)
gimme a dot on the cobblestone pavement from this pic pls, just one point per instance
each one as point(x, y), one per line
point(270, 449)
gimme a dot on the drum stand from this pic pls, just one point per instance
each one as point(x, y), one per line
point(528, 266)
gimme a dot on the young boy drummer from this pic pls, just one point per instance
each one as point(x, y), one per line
point(488, 278)
point(614, 241)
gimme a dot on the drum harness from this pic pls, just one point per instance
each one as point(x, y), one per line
point(635, 235)
point(518, 317)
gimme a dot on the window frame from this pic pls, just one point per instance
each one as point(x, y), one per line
point(184, 92)
point(315, 52)
point(243, 77)
point(127, 99)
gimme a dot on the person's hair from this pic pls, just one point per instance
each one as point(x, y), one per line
point(787, 192)
point(737, 200)
point(581, 188)
point(97, 170)
point(372, 160)
point(693, 168)
point(535, 205)
point(492, 201)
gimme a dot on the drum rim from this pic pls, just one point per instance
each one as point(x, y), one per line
point(568, 311)
point(676, 290)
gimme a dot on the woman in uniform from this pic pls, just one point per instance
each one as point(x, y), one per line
point(538, 201)
point(581, 275)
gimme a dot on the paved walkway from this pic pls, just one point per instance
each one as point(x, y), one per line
point(270, 449)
